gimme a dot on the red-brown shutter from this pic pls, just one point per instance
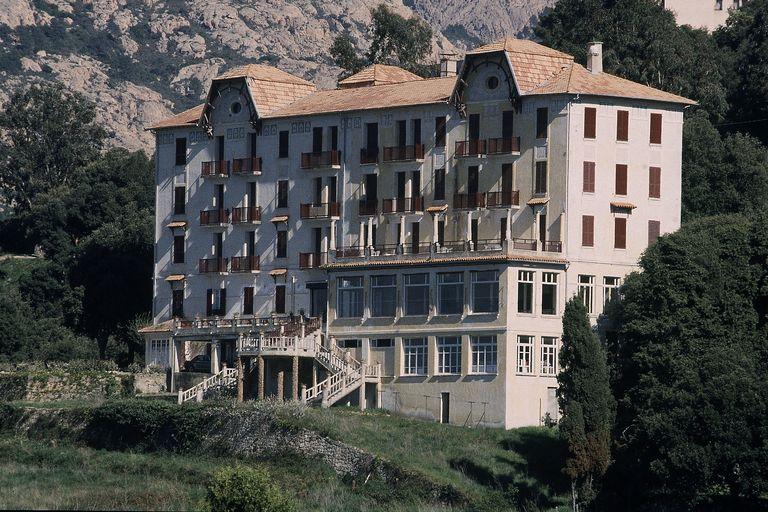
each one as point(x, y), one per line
point(589, 177)
point(223, 302)
point(655, 128)
point(248, 300)
point(620, 233)
point(590, 122)
point(621, 179)
point(209, 303)
point(654, 182)
point(622, 125)
point(654, 230)
point(587, 230)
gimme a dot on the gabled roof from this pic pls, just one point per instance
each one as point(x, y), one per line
point(378, 74)
point(263, 73)
point(187, 118)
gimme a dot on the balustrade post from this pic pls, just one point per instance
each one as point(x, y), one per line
point(240, 377)
point(180, 393)
point(280, 386)
point(361, 396)
point(199, 396)
point(326, 391)
point(260, 361)
point(295, 379)
point(303, 393)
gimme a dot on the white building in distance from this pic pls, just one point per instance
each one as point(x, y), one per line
point(707, 14)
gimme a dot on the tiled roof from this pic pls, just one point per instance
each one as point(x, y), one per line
point(623, 206)
point(537, 200)
point(161, 327)
point(270, 95)
point(187, 118)
point(512, 45)
point(174, 278)
point(280, 218)
point(263, 73)
point(177, 224)
point(378, 74)
point(416, 92)
point(487, 258)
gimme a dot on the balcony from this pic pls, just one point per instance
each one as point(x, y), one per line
point(215, 217)
point(246, 215)
point(215, 169)
point(320, 210)
point(369, 155)
point(403, 205)
point(312, 259)
point(213, 265)
point(504, 146)
point(367, 207)
point(321, 159)
point(250, 166)
point(502, 199)
point(404, 153)
point(471, 148)
point(349, 252)
point(468, 201)
point(552, 246)
point(245, 264)
point(524, 244)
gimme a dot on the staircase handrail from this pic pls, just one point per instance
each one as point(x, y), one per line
point(225, 376)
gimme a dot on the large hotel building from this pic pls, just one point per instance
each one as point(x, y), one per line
point(401, 242)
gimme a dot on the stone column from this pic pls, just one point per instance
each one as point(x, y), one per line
point(378, 395)
point(402, 230)
point(215, 347)
point(469, 231)
point(536, 229)
point(361, 394)
point(332, 242)
point(370, 232)
point(435, 219)
point(240, 376)
point(260, 363)
point(361, 238)
point(509, 225)
point(295, 379)
point(280, 385)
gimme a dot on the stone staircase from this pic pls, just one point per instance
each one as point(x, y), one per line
point(222, 382)
point(346, 375)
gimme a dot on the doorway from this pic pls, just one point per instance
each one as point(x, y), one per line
point(445, 407)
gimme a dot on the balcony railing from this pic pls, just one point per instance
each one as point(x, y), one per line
point(552, 246)
point(369, 155)
point(487, 244)
point(502, 199)
point(215, 168)
point(524, 244)
point(250, 165)
point(420, 248)
point(245, 263)
point(471, 147)
point(403, 153)
point(246, 214)
point(350, 252)
point(403, 205)
point(209, 265)
point(312, 259)
point(320, 210)
point(214, 217)
point(367, 207)
point(503, 145)
point(468, 201)
point(320, 159)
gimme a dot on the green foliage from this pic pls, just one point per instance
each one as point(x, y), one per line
point(246, 489)
point(345, 56)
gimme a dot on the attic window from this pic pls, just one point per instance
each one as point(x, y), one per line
point(236, 107)
point(492, 82)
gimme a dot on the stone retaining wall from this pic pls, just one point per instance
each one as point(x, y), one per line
point(48, 386)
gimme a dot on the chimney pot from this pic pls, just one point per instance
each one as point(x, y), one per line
point(595, 57)
point(448, 64)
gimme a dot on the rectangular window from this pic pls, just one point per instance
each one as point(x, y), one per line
point(610, 289)
point(317, 139)
point(181, 151)
point(280, 299)
point(349, 297)
point(439, 184)
point(654, 182)
point(655, 129)
point(282, 244)
point(415, 356)
point(542, 122)
point(483, 354)
point(383, 343)
point(158, 353)
point(282, 147)
point(177, 303)
point(587, 292)
point(485, 291)
point(540, 184)
point(548, 355)
point(348, 343)
point(654, 231)
point(589, 177)
point(416, 131)
point(217, 302)
point(282, 194)
point(525, 354)
point(587, 230)
point(622, 125)
point(590, 122)
point(416, 294)
point(383, 296)
point(450, 293)
point(248, 300)
point(525, 291)
point(178, 249)
point(620, 233)
point(449, 354)
point(334, 137)
point(440, 131)
point(179, 200)
point(548, 293)
point(621, 180)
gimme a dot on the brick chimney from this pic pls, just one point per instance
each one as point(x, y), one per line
point(595, 57)
point(448, 64)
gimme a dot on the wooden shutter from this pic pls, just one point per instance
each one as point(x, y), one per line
point(542, 122)
point(587, 230)
point(654, 182)
point(620, 233)
point(209, 303)
point(440, 131)
point(590, 121)
point(178, 249)
point(654, 230)
point(589, 177)
point(622, 125)
point(621, 179)
point(280, 298)
point(181, 151)
point(655, 128)
point(248, 300)
point(223, 302)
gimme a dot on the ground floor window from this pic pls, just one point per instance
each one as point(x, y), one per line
point(525, 354)
point(415, 356)
point(158, 353)
point(348, 343)
point(382, 343)
point(548, 355)
point(483, 354)
point(587, 292)
point(449, 354)
point(610, 289)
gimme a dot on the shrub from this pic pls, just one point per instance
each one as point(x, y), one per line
point(240, 489)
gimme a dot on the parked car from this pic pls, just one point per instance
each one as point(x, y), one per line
point(201, 363)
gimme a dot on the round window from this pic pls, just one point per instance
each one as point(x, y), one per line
point(492, 82)
point(236, 107)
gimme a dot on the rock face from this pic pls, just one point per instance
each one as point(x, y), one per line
point(143, 59)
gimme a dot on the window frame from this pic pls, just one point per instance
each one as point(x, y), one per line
point(541, 187)
point(448, 355)
point(352, 291)
point(457, 284)
point(542, 123)
point(549, 282)
point(548, 356)
point(610, 291)
point(283, 187)
point(409, 287)
point(283, 143)
point(525, 346)
point(374, 288)
point(179, 249)
point(586, 290)
point(588, 235)
point(485, 354)
point(590, 123)
point(622, 125)
point(474, 282)
point(588, 178)
point(415, 351)
point(526, 281)
point(180, 151)
point(619, 233)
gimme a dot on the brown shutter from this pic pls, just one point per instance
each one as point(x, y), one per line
point(223, 302)
point(654, 182)
point(587, 231)
point(622, 125)
point(620, 233)
point(590, 120)
point(280, 299)
point(209, 303)
point(621, 179)
point(589, 177)
point(248, 300)
point(655, 128)
point(654, 230)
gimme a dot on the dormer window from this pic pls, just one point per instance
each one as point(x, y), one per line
point(492, 82)
point(236, 107)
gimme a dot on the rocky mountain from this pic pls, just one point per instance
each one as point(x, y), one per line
point(140, 60)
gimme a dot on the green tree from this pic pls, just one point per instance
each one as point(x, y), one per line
point(245, 489)
point(586, 401)
point(345, 55)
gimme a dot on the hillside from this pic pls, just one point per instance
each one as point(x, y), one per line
point(140, 60)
